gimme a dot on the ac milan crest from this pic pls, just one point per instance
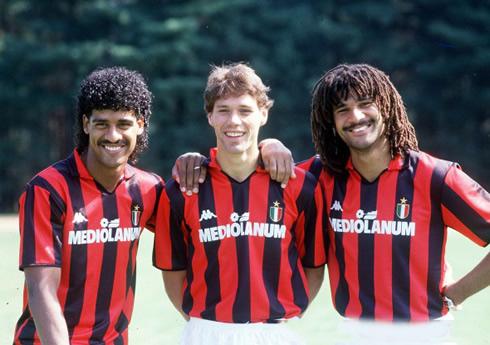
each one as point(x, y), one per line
point(402, 209)
point(275, 212)
point(135, 215)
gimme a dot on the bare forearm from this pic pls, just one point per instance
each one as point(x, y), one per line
point(314, 277)
point(42, 286)
point(476, 280)
point(49, 320)
point(174, 283)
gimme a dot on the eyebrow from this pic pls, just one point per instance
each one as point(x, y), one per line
point(359, 99)
point(239, 106)
point(124, 120)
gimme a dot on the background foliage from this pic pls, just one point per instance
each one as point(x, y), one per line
point(436, 52)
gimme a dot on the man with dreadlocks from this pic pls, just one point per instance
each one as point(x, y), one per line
point(389, 204)
point(81, 218)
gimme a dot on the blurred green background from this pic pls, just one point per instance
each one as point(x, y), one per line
point(436, 52)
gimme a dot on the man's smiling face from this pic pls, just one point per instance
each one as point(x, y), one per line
point(112, 137)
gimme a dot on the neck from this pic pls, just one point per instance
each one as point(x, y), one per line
point(108, 178)
point(371, 164)
point(238, 166)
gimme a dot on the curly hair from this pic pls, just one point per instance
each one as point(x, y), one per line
point(362, 80)
point(234, 80)
point(114, 88)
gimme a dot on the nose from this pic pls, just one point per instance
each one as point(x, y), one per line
point(234, 117)
point(113, 134)
point(356, 114)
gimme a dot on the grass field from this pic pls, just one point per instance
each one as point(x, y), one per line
point(156, 322)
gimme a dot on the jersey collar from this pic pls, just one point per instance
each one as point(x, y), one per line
point(212, 163)
point(398, 163)
point(77, 168)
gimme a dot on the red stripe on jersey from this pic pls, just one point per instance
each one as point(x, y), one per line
point(228, 272)
point(450, 218)
point(466, 206)
point(416, 199)
point(327, 185)
point(383, 268)
point(95, 260)
point(164, 241)
point(285, 293)
point(419, 246)
point(239, 256)
point(259, 302)
point(93, 207)
point(350, 245)
point(44, 246)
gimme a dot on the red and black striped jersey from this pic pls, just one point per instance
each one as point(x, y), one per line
point(387, 237)
point(243, 244)
point(68, 220)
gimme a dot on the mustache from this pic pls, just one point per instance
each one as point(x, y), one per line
point(360, 123)
point(107, 142)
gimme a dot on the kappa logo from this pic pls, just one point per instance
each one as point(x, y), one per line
point(206, 215)
point(79, 218)
point(336, 206)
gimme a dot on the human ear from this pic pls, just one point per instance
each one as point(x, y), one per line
point(265, 116)
point(141, 125)
point(85, 121)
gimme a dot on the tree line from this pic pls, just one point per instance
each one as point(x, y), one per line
point(436, 53)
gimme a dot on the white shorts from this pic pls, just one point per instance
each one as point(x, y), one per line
point(424, 333)
point(204, 332)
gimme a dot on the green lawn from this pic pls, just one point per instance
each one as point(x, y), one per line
point(156, 322)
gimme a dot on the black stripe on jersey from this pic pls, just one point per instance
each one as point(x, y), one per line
point(159, 186)
point(121, 325)
point(29, 247)
point(435, 303)
point(57, 227)
point(365, 250)
point(57, 208)
point(316, 167)
point(400, 253)
point(467, 215)
point(211, 274)
point(134, 192)
point(26, 322)
point(342, 292)
point(75, 295)
point(107, 273)
point(242, 305)
point(305, 203)
point(271, 261)
point(177, 240)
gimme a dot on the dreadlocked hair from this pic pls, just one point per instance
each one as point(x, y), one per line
point(360, 80)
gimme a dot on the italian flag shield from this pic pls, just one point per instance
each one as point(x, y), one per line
point(402, 210)
point(275, 213)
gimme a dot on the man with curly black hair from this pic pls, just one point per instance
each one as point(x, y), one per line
point(81, 218)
